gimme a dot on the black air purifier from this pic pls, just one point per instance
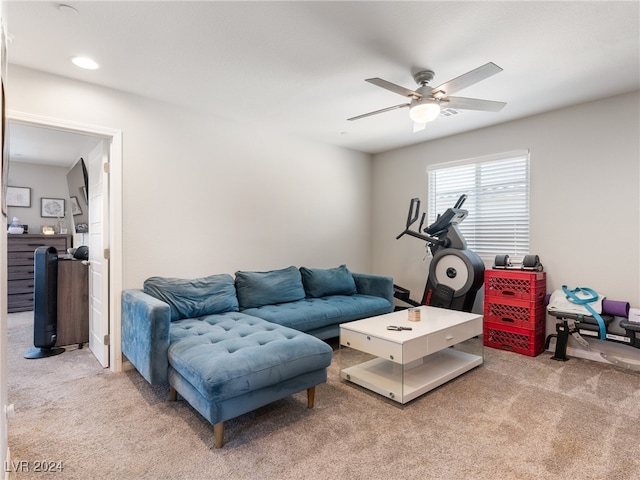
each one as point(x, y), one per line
point(45, 303)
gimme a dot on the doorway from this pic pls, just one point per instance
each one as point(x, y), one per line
point(105, 268)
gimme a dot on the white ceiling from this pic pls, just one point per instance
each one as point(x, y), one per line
point(45, 146)
point(300, 66)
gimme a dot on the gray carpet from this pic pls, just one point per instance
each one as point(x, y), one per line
point(515, 417)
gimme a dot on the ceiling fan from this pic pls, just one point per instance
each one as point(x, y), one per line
point(426, 101)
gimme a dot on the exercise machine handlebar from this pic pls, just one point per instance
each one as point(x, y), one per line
point(460, 201)
point(412, 217)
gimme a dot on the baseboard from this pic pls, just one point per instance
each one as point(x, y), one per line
point(126, 364)
point(579, 353)
point(586, 354)
point(595, 355)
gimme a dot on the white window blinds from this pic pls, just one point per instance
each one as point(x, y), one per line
point(497, 190)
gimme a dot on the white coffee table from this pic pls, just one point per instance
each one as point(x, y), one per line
point(402, 365)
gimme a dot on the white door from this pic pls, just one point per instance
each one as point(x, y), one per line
point(98, 242)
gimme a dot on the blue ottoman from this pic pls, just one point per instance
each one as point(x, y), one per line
point(229, 364)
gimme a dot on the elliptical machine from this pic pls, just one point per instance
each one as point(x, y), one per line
point(455, 273)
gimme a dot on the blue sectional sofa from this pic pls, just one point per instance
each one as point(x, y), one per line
point(230, 345)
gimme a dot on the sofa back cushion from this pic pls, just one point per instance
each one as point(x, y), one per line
point(256, 289)
point(319, 282)
point(190, 298)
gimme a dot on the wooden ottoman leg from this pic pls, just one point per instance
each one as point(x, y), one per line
point(218, 434)
point(173, 394)
point(311, 396)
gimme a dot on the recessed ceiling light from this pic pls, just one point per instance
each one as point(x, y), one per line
point(84, 62)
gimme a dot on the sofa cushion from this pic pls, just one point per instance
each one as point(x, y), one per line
point(194, 297)
point(224, 356)
point(312, 313)
point(320, 282)
point(256, 289)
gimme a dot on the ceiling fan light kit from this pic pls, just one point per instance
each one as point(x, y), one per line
point(425, 101)
point(424, 110)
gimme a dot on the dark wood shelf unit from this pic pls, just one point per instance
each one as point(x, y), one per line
point(20, 281)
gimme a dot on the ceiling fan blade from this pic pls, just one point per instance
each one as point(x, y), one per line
point(467, 79)
point(388, 109)
point(405, 92)
point(461, 103)
point(417, 126)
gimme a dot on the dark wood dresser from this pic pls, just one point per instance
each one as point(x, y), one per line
point(20, 250)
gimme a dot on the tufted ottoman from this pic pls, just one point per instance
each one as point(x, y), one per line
point(228, 365)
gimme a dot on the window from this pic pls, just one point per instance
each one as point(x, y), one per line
point(497, 190)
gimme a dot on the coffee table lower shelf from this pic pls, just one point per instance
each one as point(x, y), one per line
point(387, 378)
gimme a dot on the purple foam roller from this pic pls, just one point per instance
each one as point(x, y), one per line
point(615, 307)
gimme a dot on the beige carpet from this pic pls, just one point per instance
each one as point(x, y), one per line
point(515, 417)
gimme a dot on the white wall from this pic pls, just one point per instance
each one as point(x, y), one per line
point(204, 195)
point(585, 195)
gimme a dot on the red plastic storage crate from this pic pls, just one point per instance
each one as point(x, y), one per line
point(514, 339)
point(514, 313)
point(515, 284)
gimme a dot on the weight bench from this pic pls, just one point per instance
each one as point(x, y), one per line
point(577, 326)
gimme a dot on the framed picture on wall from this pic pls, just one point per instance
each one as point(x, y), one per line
point(75, 206)
point(52, 207)
point(18, 197)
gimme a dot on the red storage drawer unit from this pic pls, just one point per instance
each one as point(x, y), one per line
point(514, 311)
point(514, 339)
point(515, 284)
